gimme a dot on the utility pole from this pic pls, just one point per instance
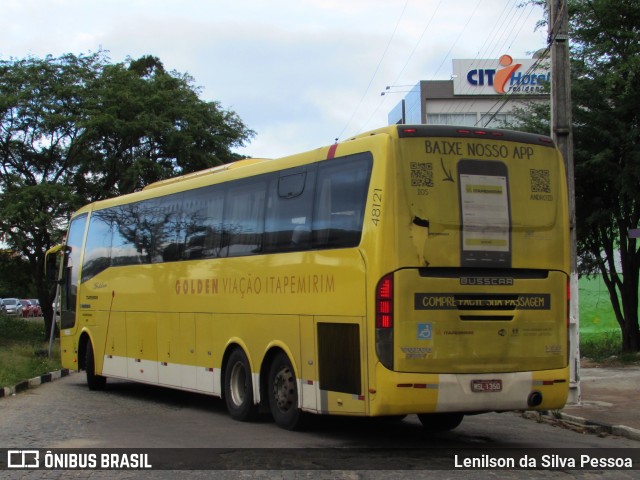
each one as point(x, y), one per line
point(562, 134)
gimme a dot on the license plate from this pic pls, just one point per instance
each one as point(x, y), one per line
point(481, 386)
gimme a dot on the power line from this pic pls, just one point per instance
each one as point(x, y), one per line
point(507, 97)
point(458, 38)
point(395, 29)
point(489, 53)
point(535, 65)
point(496, 38)
point(415, 47)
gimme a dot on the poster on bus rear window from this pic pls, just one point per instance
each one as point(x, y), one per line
point(484, 211)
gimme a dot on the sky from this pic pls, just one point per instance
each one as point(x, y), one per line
point(300, 73)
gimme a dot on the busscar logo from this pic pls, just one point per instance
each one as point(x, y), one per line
point(486, 281)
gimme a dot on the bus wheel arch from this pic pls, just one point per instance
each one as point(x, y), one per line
point(237, 384)
point(82, 350)
point(86, 361)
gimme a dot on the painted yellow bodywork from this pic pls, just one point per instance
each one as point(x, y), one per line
point(159, 321)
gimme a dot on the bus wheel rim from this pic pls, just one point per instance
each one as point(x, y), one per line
point(237, 384)
point(284, 389)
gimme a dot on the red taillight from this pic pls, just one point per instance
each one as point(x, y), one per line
point(384, 302)
point(464, 131)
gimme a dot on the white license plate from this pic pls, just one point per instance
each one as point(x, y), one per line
point(482, 386)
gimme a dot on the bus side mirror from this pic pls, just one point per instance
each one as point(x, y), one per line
point(52, 263)
point(52, 269)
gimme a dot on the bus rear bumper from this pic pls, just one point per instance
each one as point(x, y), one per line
point(399, 393)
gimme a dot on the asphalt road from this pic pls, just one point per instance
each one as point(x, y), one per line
point(65, 414)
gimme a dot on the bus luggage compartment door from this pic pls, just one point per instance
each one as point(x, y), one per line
point(473, 320)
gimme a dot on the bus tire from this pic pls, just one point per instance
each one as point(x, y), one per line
point(238, 387)
point(95, 382)
point(440, 422)
point(283, 394)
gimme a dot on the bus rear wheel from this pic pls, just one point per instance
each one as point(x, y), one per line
point(238, 387)
point(95, 382)
point(440, 422)
point(283, 394)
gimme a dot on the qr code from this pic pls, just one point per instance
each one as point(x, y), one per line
point(540, 181)
point(421, 174)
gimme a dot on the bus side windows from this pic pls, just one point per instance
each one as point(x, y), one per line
point(69, 293)
point(244, 217)
point(319, 205)
point(340, 201)
point(125, 220)
point(166, 223)
point(289, 210)
point(97, 256)
point(202, 223)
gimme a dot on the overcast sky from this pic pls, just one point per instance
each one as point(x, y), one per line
point(301, 73)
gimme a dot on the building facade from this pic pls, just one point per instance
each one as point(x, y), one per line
point(481, 93)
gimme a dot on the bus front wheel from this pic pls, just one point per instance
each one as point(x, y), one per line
point(95, 382)
point(238, 387)
point(283, 394)
point(440, 422)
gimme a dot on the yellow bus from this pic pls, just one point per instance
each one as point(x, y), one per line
point(408, 270)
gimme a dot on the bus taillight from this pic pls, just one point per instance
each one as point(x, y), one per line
point(384, 321)
point(384, 302)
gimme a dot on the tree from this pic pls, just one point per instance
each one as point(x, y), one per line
point(605, 69)
point(76, 129)
point(606, 92)
point(144, 125)
point(15, 278)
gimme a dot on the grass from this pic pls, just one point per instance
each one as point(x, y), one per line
point(601, 345)
point(606, 347)
point(596, 313)
point(600, 337)
point(21, 347)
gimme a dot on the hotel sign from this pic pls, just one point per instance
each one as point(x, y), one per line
point(500, 76)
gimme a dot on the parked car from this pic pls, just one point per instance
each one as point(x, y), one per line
point(28, 310)
point(13, 306)
point(36, 306)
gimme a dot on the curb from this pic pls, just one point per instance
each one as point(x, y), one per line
point(34, 382)
point(582, 424)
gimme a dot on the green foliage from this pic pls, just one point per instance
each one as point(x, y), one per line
point(15, 278)
point(596, 314)
point(20, 330)
point(76, 129)
point(605, 68)
point(606, 92)
point(534, 117)
point(144, 124)
point(600, 346)
point(20, 351)
point(600, 335)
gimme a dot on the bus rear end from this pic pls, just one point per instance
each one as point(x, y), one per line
point(472, 315)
